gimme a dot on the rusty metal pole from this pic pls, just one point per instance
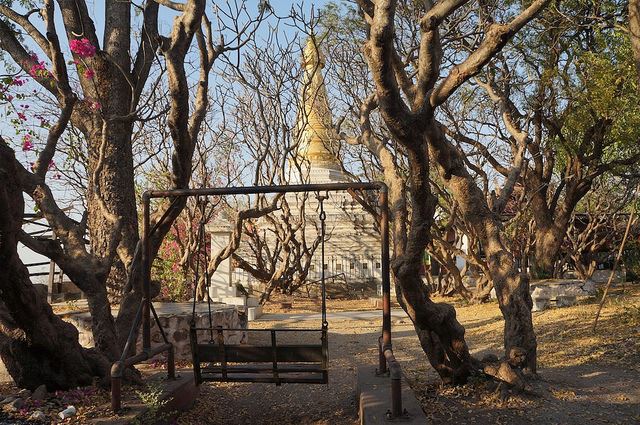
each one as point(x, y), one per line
point(116, 386)
point(146, 275)
point(386, 279)
point(171, 363)
point(382, 361)
point(386, 347)
point(396, 396)
point(116, 397)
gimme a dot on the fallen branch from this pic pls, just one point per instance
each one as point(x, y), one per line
point(613, 269)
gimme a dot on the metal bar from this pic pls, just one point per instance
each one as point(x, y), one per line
point(382, 362)
point(325, 353)
point(323, 217)
point(274, 354)
point(157, 319)
point(263, 330)
point(146, 355)
point(223, 352)
point(267, 379)
point(116, 393)
point(386, 347)
point(386, 279)
point(249, 190)
point(197, 374)
point(146, 274)
point(133, 332)
point(264, 370)
point(396, 383)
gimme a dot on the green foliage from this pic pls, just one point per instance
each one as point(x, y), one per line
point(340, 18)
point(602, 87)
point(153, 401)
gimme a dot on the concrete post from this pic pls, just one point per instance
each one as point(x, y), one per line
point(221, 284)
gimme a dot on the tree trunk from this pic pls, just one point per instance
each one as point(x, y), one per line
point(441, 335)
point(36, 346)
point(548, 242)
point(512, 287)
point(634, 33)
point(116, 187)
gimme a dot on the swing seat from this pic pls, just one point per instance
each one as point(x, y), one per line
point(274, 363)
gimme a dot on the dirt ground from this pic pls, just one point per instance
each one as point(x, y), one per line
point(585, 377)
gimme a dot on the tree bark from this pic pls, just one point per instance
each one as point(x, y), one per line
point(512, 287)
point(548, 241)
point(36, 346)
point(441, 335)
point(634, 32)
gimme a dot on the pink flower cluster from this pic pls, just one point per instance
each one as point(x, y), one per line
point(27, 144)
point(82, 47)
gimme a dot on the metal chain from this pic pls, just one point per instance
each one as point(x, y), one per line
point(323, 217)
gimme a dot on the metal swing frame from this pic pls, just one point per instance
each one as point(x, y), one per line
point(306, 359)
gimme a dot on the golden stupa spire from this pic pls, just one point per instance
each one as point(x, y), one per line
point(318, 139)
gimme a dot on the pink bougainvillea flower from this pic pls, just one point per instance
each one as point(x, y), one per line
point(27, 144)
point(18, 82)
point(96, 106)
point(89, 74)
point(82, 47)
point(22, 116)
point(37, 69)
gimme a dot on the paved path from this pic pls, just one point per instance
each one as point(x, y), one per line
point(396, 314)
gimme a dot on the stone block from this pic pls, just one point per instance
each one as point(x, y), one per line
point(373, 394)
point(540, 304)
point(602, 276)
point(565, 300)
point(589, 287)
point(254, 313)
point(175, 319)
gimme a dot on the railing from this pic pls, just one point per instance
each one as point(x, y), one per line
point(387, 364)
point(386, 359)
point(118, 368)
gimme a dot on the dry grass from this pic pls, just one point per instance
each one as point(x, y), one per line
point(586, 376)
point(565, 336)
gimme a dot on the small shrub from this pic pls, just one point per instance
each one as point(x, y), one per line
point(153, 401)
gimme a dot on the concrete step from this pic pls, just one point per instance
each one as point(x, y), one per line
point(374, 399)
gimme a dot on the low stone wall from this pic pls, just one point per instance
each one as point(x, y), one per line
point(175, 319)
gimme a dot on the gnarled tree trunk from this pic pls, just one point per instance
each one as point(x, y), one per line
point(441, 335)
point(548, 241)
point(36, 346)
point(512, 287)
